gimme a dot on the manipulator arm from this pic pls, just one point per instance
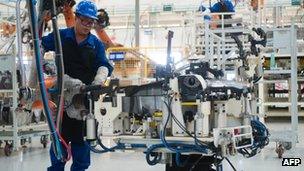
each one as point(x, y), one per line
point(203, 69)
point(254, 42)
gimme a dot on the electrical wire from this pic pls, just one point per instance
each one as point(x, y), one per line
point(184, 129)
point(100, 142)
point(195, 164)
point(234, 169)
point(157, 156)
point(109, 149)
point(177, 158)
point(179, 148)
point(256, 81)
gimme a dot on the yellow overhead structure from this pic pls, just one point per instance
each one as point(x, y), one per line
point(137, 62)
point(134, 63)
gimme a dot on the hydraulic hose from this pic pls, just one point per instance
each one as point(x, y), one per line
point(110, 149)
point(100, 142)
point(153, 157)
point(96, 150)
point(119, 146)
point(60, 67)
point(156, 156)
point(177, 148)
point(34, 28)
point(260, 139)
point(60, 75)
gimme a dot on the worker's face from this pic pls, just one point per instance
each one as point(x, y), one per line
point(84, 24)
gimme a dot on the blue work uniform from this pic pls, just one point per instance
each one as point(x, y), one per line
point(81, 61)
point(219, 7)
point(225, 6)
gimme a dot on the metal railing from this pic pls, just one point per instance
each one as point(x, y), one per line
point(214, 36)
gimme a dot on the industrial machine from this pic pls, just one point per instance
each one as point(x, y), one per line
point(190, 119)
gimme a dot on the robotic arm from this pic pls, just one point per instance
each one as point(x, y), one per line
point(262, 41)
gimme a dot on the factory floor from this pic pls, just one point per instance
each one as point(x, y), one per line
point(35, 157)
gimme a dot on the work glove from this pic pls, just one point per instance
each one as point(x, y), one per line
point(100, 79)
point(73, 100)
point(71, 83)
point(101, 76)
point(72, 87)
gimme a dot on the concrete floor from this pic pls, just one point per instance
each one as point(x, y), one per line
point(34, 157)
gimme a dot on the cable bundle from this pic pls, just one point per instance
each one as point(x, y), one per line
point(260, 139)
point(58, 141)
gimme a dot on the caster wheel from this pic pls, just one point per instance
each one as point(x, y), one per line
point(287, 145)
point(8, 149)
point(22, 143)
point(44, 141)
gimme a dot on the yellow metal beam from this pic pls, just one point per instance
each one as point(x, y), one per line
point(189, 104)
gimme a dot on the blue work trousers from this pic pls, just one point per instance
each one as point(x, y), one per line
point(80, 156)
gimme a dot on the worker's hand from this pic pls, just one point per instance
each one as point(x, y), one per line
point(101, 76)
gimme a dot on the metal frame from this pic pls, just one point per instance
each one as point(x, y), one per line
point(14, 133)
point(292, 134)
